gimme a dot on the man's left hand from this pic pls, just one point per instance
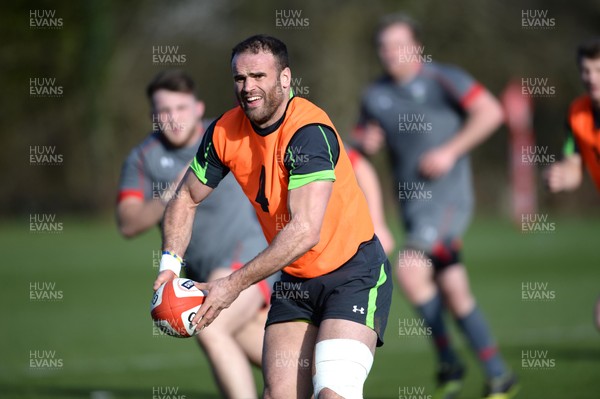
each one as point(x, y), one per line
point(221, 294)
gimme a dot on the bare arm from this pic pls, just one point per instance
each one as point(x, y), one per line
point(134, 215)
point(179, 219)
point(179, 215)
point(565, 175)
point(307, 205)
point(369, 184)
point(485, 115)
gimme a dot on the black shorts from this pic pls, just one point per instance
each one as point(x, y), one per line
point(360, 290)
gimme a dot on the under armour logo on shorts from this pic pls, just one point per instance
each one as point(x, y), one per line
point(355, 309)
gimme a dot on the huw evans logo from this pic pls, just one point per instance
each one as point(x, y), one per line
point(44, 155)
point(410, 327)
point(164, 122)
point(537, 223)
point(284, 221)
point(536, 155)
point(44, 19)
point(44, 291)
point(167, 393)
point(413, 54)
point(164, 191)
point(413, 123)
point(44, 87)
point(537, 87)
point(291, 291)
point(291, 19)
point(414, 259)
point(299, 89)
point(413, 392)
point(537, 360)
point(291, 359)
point(44, 360)
point(294, 155)
point(537, 19)
point(536, 291)
point(413, 191)
point(44, 223)
point(168, 55)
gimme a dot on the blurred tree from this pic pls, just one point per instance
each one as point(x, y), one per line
point(102, 58)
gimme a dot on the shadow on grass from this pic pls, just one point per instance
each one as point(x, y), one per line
point(43, 392)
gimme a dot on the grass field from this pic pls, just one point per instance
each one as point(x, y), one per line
point(96, 335)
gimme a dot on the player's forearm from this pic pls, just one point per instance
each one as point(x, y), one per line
point(375, 204)
point(136, 218)
point(293, 241)
point(178, 223)
point(479, 125)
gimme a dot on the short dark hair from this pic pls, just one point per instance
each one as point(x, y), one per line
point(172, 80)
point(589, 49)
point(399, 19)
point(266, 43)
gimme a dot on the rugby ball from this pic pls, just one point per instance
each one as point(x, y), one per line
point(174, 305)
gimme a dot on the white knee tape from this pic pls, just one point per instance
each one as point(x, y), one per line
point(342, 365)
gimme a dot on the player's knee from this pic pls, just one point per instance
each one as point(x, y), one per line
point(445, 253)
point(213, 336)
point(414, 271)
point(460, 302)
point(341, 368)
point(455, 288)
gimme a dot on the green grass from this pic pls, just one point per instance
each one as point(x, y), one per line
point(102, 331)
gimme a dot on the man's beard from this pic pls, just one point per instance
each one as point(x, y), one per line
point(272, 99)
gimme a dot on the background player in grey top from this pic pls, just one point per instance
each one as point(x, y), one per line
point(430, 116)
point(230, 234)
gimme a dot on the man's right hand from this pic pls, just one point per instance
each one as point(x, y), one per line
point(370, 138)
point(163, 277)
point(565, 175)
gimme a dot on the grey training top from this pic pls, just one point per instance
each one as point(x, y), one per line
point(225, 227)
point(416, 117)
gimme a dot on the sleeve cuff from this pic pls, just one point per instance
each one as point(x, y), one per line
point(569, 147)
point(302, 180)
point(130, 193)
point(471, 95)
point(199, 171)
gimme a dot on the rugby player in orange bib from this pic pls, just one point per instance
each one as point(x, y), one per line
point(582, 146)
point(330, 308)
